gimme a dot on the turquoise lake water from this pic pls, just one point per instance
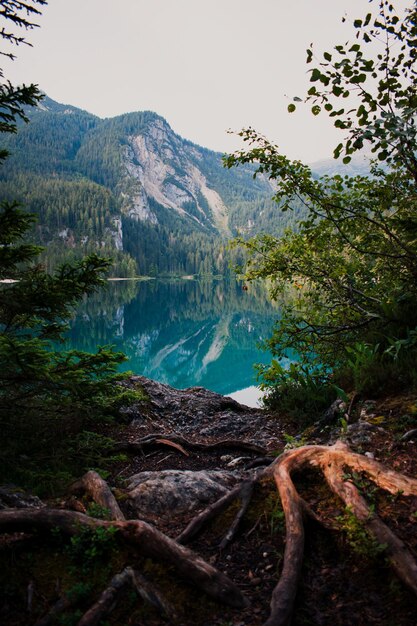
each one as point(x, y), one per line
point(185, 332)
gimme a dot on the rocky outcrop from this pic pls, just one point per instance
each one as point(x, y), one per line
point(159, 167)
point(169, 492)
point(13, 497)
point(199, 413)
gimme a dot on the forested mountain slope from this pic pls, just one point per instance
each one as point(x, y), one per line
point(132, 188)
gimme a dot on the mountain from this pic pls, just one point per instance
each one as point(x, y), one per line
point(132, 188)
point(358, 166)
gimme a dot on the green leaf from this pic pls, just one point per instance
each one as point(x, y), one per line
point(316, 109)
point(367, 19)
point(315, 75)
point(291, 108)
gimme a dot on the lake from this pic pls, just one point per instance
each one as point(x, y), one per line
point(182, 332)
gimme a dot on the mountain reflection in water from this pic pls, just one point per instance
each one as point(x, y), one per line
point(185, 332)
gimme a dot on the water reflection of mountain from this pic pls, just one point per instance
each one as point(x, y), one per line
point(184, 333)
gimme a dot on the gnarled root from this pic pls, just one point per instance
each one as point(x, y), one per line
point(148, 539)
point(182, 444)
point(99, 491)
point(107, 599)
point(331, 460)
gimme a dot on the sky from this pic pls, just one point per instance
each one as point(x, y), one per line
point(207, 66)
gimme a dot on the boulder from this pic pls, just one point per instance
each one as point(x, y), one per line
point(166, 493)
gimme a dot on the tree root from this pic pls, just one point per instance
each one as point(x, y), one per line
point(245, 496)
point(209, 513)
point(141, 535)
point(332, 461)
point(99, 491)
point(63, 604)
point(151, 595)
point(107, 600)
point(109, 597)
point(180, 443)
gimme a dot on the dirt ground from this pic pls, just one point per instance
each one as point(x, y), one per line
point(346, 580)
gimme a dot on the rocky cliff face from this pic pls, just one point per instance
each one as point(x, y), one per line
point(163, 168)
point(129, 185)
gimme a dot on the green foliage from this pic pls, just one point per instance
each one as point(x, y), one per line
point(71, 619)
point(347, 274)
point(47, 396)
point(78, 592)
point(358, 538)
point(300, 391)
point(367, 488)
point(382, 113)
point(49, 399)
point(277, 519)
point(274, 513)
point(14, 100)
point(98, 511)
point(91, 547)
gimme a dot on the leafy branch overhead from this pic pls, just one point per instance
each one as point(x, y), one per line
point(347, 273)
point(14, 99)
point(370, 93)
point(19, 15)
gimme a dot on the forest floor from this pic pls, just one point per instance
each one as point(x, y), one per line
point(345, 580)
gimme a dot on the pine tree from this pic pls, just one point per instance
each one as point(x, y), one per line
point(50, 400)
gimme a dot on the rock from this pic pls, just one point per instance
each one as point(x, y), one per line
point(13, 498)
point(169, 492)
point(226, 458)
point(361, 432)
point(333, 413)
point(201, 413)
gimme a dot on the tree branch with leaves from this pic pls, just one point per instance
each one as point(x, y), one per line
point(347, 273)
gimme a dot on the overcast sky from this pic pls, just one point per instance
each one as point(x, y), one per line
point(204, 65)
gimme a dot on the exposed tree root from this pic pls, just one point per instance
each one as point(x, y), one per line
point(283, 596)
point(243, 491)
point(399, 556)
point(151, 595)
point(63, 604)
point(245, 496)
point(332, 461)
point(139, 534)
point(107, 599)
point(209, 513)
point(99, 491)
point(157, 439)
